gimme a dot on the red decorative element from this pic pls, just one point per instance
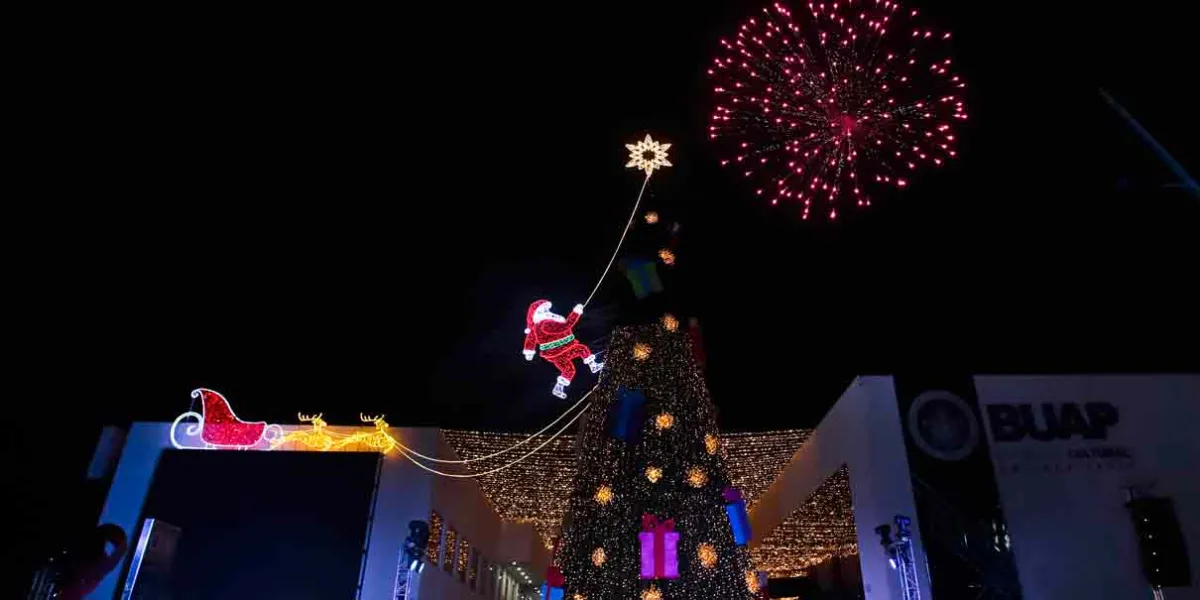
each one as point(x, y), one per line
point(221, 427)
point(554, 576)
point(551, 334)
point(660, 548)
point(827, 104)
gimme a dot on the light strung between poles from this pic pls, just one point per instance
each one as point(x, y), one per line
point(502, 467)
point(528, 439)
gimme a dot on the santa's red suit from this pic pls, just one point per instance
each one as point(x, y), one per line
point(551, 335)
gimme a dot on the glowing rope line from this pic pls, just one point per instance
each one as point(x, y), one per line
point(632, 215)
point(658, 162)
point(506, 450)
point(503, 467)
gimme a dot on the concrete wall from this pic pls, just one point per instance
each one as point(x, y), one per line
point(464, 508)
point(1071, 533)
point(127, 493)
point(403, 496)
point(861, 431)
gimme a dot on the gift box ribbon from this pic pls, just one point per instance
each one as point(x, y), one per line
point(658, 530)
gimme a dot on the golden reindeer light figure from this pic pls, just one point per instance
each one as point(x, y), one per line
point(322, 439)
point(379, 439)
point(317, 422)
point(380, 424)
point(316, 438)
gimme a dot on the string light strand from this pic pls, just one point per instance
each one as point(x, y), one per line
point(503, 467)
point(506, 450)
point(624, 233)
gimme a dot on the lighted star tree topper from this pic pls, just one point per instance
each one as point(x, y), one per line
point(648, 155)
point(835, 103)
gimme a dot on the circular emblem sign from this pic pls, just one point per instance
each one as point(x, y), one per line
point(942, 425)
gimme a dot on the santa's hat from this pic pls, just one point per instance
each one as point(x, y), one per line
point(533, 308)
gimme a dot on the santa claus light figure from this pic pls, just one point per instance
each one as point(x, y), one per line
point(550, 334)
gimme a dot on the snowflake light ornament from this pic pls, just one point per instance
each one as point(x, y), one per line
point(648, 155)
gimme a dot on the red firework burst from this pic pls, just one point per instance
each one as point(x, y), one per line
point(849, 98)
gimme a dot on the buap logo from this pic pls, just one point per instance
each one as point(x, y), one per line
point(942, 425)
point(1045, 422)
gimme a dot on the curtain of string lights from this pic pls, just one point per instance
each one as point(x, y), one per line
point(819, 530)
point(537, 490)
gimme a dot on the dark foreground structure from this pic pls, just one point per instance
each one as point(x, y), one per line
point(1035, 487)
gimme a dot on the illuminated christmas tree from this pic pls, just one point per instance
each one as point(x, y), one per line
point(652, 515)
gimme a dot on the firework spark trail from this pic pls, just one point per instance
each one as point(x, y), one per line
point(837, 105)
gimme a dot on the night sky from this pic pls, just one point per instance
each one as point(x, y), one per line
point(350, 212)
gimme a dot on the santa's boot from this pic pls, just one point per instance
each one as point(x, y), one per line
point(590, 361)
point(560, 387)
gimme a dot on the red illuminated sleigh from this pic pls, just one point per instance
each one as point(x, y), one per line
point(218, 427)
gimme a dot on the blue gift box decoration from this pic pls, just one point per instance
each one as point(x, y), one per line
point(551, 593)
point(643, 276)
point(739, 521)
point(625, 418)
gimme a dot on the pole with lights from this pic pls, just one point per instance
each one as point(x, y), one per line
point(412, 563)
point(901, 556)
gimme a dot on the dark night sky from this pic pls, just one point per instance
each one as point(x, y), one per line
point(350, 212)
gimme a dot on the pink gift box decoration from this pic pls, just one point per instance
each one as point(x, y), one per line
point(660, 548)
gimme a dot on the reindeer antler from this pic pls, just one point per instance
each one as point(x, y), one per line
point(309, 419)
point(369, 419)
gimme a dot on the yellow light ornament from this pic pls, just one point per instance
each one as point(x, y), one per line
point(652, 594)
point(598, 557)
point(648, 155)
point(653, 474)
point(707, 555)
point(670, 323)
point(664, 421)
point(667, 257)
point(604, 495)
point(641, 351)
point(651, 217)
point(711, 444)
point(697, 477)
point(752, 582)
